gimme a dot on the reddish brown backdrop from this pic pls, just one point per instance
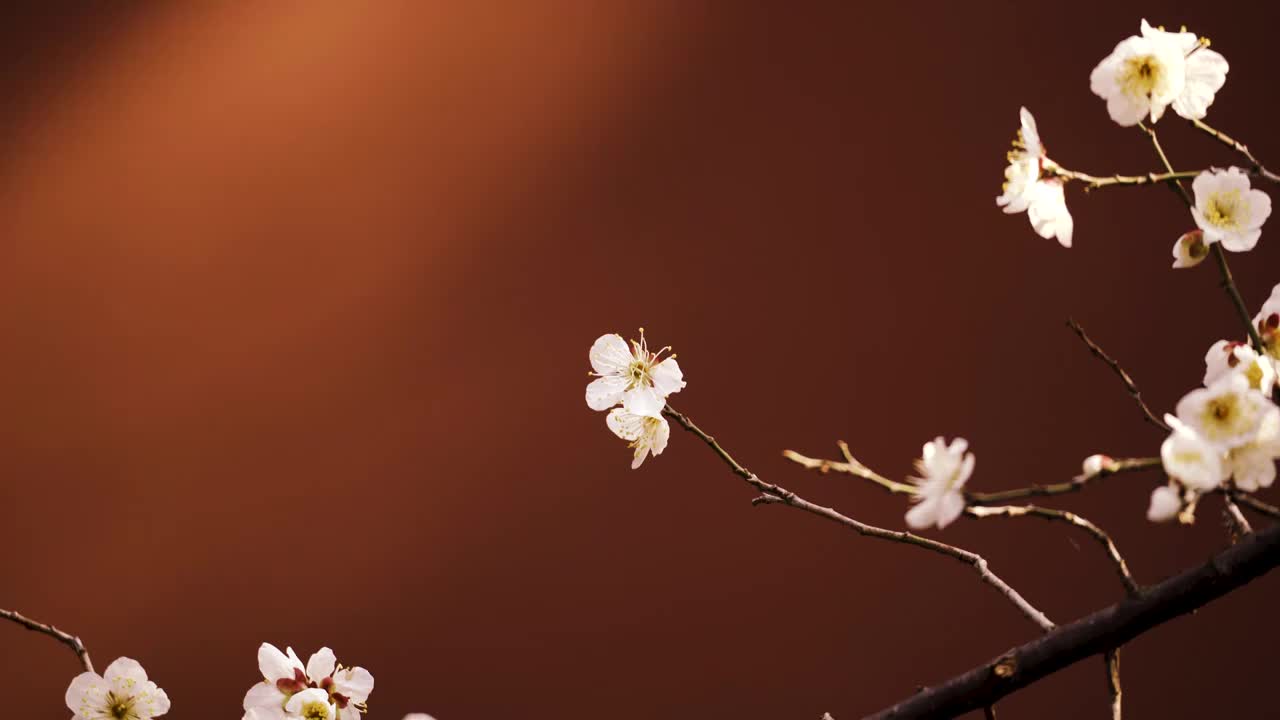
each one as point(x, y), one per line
point(295, 302)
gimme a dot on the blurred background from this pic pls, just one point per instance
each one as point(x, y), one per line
point(296, 298)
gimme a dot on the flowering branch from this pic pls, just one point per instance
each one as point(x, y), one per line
point(1129, 385)
point(1238, 146)
point(1097, 633)
point(1063, 516)
point(70, 641)
point(776, 495)
point(1113, 467)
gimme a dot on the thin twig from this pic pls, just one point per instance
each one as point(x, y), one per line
point(1256, 505)
point(1096, 633)
point(70, 641)
point(850, 466)
point(1239, 147)
point(1129, 384)
point(1115, 467)
point(774, 494)
point(1113, 681)
point(1122, 569)
point(1239, 524)
point(1094, 182)
point(1219, 256)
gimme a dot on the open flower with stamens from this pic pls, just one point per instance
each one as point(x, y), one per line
point(944, 469)
point(1190, 250)
point(1227, 357)
point(1189, 458)
point(123, 692)
point(645, 433)
point(285, 678)
point(1031, 186)
point(1148, 72)
point(1228, 210)
point(311, 704)
point(632, 375)
point(1228, 414)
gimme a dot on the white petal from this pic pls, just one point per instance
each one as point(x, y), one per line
point(125, 673)
point(1165, 504)
point(1253, 469)
point(1259, 207)
point(274, 664)
point(643, 400)
point(667, 377)
point(152, 702)
point(86, 695)
point(610, 355)
point(320, 665)
point(1206, 72)
point(950, 507)
point(355, 683)
point(1049, 215)
point(605, 392)
point(625, 425)
point(264, 695)
point(923, 514)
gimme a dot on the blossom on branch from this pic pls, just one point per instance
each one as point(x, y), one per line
point(646, 433)
point(1166, 503)
point(123, 692)
point(1031, 186)
point(1228, 413)
point(290, 690)
point(1189, 458)
point(944, 469)
point(1268, 323)
point(1149, 72)
point(1227, 357)
point(1228, 210)
point(631, 375)
point(1190, 249)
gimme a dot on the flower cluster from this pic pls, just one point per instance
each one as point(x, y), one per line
point(320, 690)
point(639, 381)
point(1033, 186)
point(1226, 432)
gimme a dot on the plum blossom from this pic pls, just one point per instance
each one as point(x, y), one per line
point(290, 689)
point(1228, 210)
point(1190, 249)
point(123, 692)
point(1235, 358)
point(1228, 413)
point(632, 375)
point(645, 433)
point(1189, 458)
point(1031, 185)
point(1149, 72)
point(944, 470)
point(1166, 502)
point(1268, 323)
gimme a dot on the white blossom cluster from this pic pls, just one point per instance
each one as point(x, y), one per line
point(1145, 74)
point(320, 690)
point(638, 382)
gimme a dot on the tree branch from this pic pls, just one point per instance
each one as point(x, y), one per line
point(1256, 505)
point(70, 641)
point(1113, 681)
point(1098, 633)
point(774, 494)
point(1129, 385)
point(1122, 569)
point(1239, 147)
point(1115, 467)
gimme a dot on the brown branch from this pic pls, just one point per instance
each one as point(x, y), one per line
point(1113, 682)
point(1093, 182)
point(1256, 505)
point(1115, 467)
point(989, 712)
point(1122, 568)
point(1095, 634)
point(1239, 524)
point(1129, 384)
point(1239, 147)
point(1219, 256)
point(70, 641)
point(774, 494)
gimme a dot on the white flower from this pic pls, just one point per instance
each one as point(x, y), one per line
point(1227, 210)
point(940, 490)
point(1228, 413)
point(1166, 502)
point(1189, 458)
point(1147, 73)
point(1189, 250)
point(1031, 186)
point(285, 678)
point(646, 433)
point(633, 376)
point(1268, 323)
point(123, 692)
point(1234, 358)
point(1252, 466)
point(311, 704)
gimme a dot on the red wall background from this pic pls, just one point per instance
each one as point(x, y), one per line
point(295, 301)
